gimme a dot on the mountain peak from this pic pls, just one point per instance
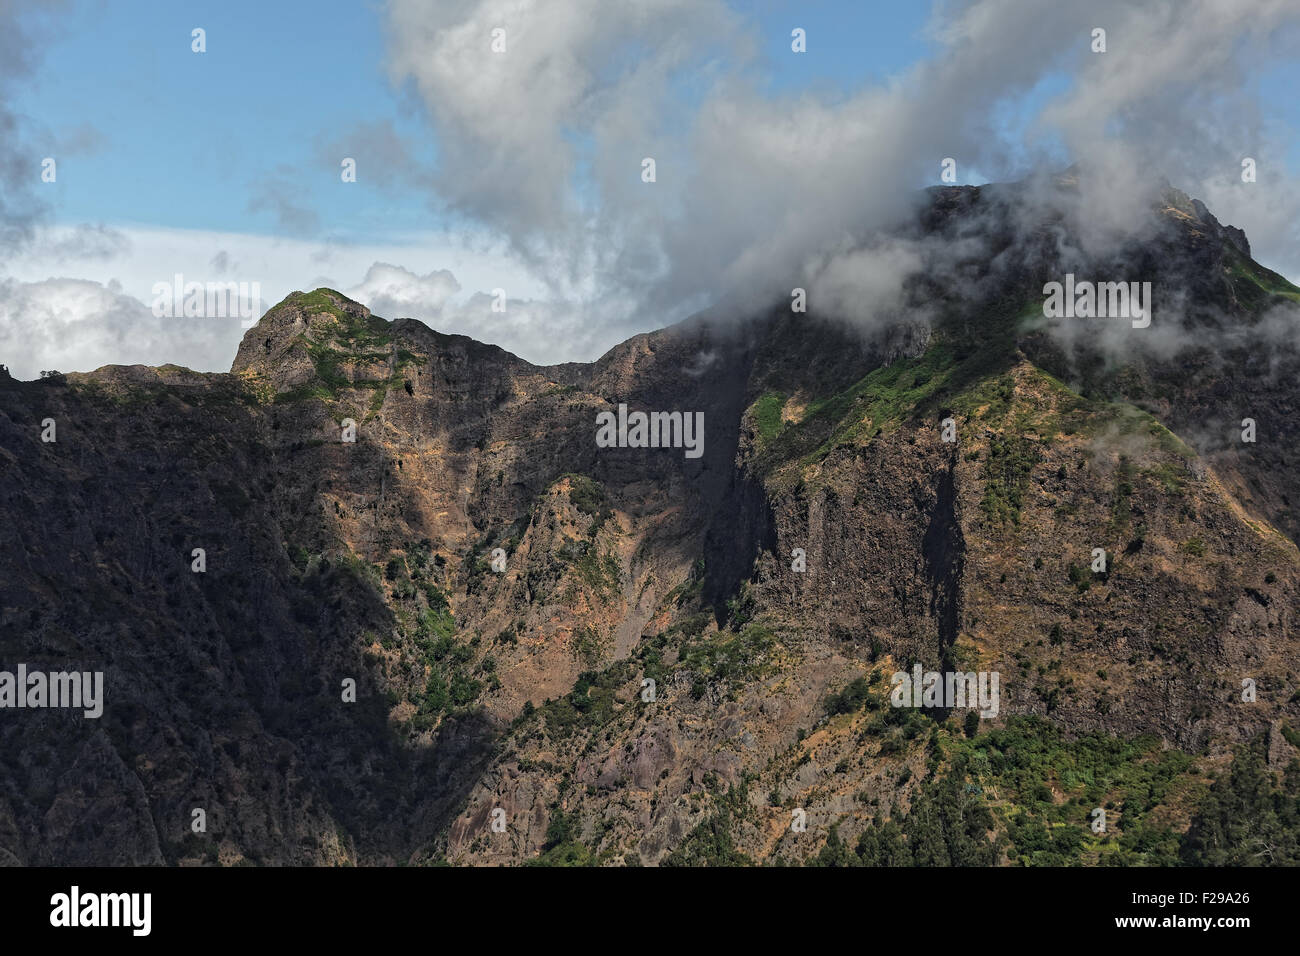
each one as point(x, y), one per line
point(288, 340)
point(293, 316)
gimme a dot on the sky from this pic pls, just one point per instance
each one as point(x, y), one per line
point(522, 169)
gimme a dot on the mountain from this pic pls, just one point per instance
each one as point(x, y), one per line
point(612, 645)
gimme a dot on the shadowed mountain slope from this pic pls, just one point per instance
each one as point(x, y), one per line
point(503, 591)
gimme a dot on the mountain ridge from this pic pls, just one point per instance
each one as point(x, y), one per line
point(521, 689)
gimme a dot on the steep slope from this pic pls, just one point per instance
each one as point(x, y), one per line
point(975, 556)
point(517, 679)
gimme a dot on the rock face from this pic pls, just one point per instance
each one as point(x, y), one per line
point(626, 648)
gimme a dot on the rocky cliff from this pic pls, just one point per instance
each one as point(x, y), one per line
point(570, 653)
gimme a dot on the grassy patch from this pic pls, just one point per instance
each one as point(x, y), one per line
point(1256, 286)
point(880, 401)
point(767, 416)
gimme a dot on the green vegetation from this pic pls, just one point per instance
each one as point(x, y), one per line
point(689, 590)
point(555, 390)
point(365, 572)
point(406, 357)
point(356, 332)
point(592, 702)
point(1247, 819)
point(305, 392)
point(436, 624)
point(767, 416)
point(433, 594)
point(710, 842)
point(449, 686)
point(1010, 460)
point(595, 698)
point(1081, 577)
point(354, 339)
point(563, 846)
point(946, 825)
point(319, 300)
point(724, 656)
point(880, 400)
point(965, 372)
point(589, 645)
point(1170, 477)
point(1029, 792)
point(1256, 286)
point(589, 497)
point(599, 571)
point(851, 699)
point(1029, 761)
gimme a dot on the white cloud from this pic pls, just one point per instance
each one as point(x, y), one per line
point(394, 292)
point(49, 319)
point(79, 325)
point(540, 149)
point(540, 330)
point(543, 143)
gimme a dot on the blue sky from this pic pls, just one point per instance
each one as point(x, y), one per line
point(188, 141)
point(226, 164)
point(188, 138)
